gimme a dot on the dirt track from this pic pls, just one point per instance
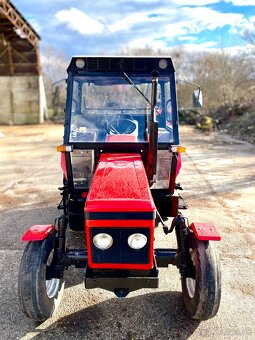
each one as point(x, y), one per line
point(218, 175)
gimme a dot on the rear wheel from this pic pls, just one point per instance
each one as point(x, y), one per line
point(201, 288)
point(39, 291)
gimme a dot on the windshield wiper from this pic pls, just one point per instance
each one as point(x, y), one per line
point(137, 89)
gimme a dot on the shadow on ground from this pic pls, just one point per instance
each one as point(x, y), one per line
point(15, 222)
point(157, 315)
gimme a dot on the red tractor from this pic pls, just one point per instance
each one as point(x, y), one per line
point(120, 158)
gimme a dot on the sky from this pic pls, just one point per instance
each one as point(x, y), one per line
point(94, 27)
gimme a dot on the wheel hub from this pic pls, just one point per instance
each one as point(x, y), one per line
point(52, 285)
point(191, 282)
point(191, 286)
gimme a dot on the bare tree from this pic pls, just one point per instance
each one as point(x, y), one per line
point(249, 35)
point(54, 66)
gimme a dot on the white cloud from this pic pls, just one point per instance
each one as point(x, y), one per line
point(175, 30)
point(196, 19)
point(235, 50)
point(128, 21)
point(79, 21)
point(173, 3)
point(171, 23)
point(168, 20)
point(210, 47)
point(143, 42)
point(241, 2)
point(248, 25)
point(162, 22)
point(189, 20)
point(184, 25)
point(187, 38)
point(201, 18)
point(193, 3)
point(201, 47)
point(158, 26)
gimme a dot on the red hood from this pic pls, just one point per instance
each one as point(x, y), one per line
point(120, 184)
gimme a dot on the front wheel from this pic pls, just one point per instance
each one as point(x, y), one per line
point(201, 288)
point(39, 291)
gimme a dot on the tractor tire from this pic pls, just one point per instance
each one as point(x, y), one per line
point(202, 290)
point(39, 295)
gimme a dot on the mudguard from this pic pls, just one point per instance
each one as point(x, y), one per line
point(205, 231)
point(37, 232)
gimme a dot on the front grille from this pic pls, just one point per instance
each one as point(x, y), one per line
point(120, 252)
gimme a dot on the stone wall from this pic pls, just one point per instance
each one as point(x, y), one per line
point(20, 100)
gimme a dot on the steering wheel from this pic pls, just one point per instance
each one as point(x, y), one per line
point(122, 126)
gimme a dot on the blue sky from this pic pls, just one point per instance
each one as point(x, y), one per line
point(93, 27)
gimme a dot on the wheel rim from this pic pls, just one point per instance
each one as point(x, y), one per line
point(191, 282)
point(52, 285)
point(191, 286)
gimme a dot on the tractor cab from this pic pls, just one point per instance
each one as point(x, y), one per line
point(124, 105)
point(120, 158)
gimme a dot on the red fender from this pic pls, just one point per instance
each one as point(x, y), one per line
point(179, 164)
point(205, 231)
point(37, 232)
point(63, 164)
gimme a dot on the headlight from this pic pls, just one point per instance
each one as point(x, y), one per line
point(80, 63)
point(163, 64)
point(137, 241)
point(103, 241)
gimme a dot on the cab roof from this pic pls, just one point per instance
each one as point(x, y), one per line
point(139, 65)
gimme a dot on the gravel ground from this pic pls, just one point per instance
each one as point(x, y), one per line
point(218, 175)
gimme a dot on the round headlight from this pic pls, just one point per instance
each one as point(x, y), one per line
point(80, 63)
point(163, 64)
point(137, 241)
point(103, 241)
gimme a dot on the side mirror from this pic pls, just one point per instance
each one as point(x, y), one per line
point(197, 98)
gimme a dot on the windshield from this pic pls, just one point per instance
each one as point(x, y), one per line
point(109, 108)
